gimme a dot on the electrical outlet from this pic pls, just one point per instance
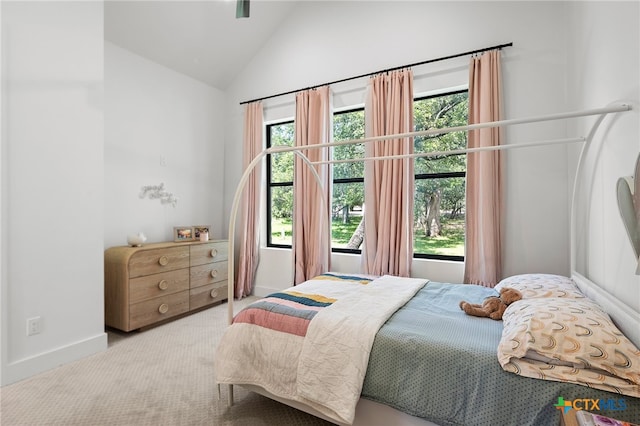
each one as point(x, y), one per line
point(34, 326)
point(163, 161)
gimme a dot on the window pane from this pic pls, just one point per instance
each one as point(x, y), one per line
point(438, 112)
point(347, 213)
point(281, 214)
point(281, 164)
point(439, 216)
point(282, 167)
point(348, 126)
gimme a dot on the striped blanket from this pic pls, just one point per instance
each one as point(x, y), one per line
point(292, 342)
point(291, 311)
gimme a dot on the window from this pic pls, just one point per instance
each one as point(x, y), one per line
point(348, 183)
point(439, 200)
point(439, 182)
point(280, 186)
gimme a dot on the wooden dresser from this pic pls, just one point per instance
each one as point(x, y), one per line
point(148, 284)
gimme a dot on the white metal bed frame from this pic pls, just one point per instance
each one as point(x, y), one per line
point(624, 316)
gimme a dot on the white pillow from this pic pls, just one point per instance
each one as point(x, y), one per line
point(542, 286)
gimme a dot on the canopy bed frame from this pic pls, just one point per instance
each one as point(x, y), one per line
point(625, 317)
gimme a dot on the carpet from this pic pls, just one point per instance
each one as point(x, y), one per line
point(160, 376)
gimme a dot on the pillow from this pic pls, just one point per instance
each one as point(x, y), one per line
point(542, 285)
point(571, 340)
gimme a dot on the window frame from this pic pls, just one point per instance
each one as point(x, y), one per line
point(441, 175)
point(270, 185)
point(345, 180)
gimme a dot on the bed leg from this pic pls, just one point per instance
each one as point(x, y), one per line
point(230, 400)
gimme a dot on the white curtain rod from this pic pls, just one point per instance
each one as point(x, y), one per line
point(456, 151)
point(510, 122)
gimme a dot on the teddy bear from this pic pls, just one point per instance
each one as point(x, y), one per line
point(492, 307)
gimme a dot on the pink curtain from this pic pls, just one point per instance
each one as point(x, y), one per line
point(388, 216)
point(483, 248)
point(311, 228)
point(249, 210)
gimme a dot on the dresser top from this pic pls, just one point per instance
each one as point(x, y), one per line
point(117, 253)
point(167, 244)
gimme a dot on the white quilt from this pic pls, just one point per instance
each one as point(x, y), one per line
point(326, 368)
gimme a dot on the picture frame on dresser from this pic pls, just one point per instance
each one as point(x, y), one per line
point(198, 229)
point(183, 233)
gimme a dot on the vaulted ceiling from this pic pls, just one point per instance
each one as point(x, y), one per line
point(202, 39)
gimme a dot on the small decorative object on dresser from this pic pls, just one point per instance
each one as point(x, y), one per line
point(182, 233)
point(202, 232)
point(146, 285)
point(136, 240)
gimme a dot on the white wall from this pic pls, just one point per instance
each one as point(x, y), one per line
point(160, 127)
point(605, 63)
point(85, 125)
point(52, 184)
point(326, 41)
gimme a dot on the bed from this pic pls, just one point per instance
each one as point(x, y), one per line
point(429, 359)
point(323, 348)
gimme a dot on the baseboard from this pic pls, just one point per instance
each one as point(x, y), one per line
point(264, 291)
point(27, 367)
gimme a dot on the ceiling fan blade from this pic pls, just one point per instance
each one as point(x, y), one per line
point(242, 8)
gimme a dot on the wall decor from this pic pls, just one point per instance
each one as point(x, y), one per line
point(157, 192)
point(628, 192)
point(183, 233)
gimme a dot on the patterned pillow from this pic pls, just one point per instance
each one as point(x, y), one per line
point(571, 340)
point(542, 285)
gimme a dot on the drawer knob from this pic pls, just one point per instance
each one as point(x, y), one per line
point(214, 273)
point(163, 309)
point(214, 252)
point(164, 260)
point(163, 285)
point(214, 293)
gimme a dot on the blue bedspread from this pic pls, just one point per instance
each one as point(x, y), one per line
point(431, 360)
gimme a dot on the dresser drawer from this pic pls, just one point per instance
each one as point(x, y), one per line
point(158, 309)
point(209, 273)
point(205, 295)
point(209, 252)
point(151, 286)
point(146, 262)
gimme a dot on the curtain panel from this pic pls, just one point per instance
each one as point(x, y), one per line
point(484, 185)
point(250, 202)
point(388, 216)
point(312, 204)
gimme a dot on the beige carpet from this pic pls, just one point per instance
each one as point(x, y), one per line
point(161, 376)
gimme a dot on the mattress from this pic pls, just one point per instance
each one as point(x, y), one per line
point(433, 361)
